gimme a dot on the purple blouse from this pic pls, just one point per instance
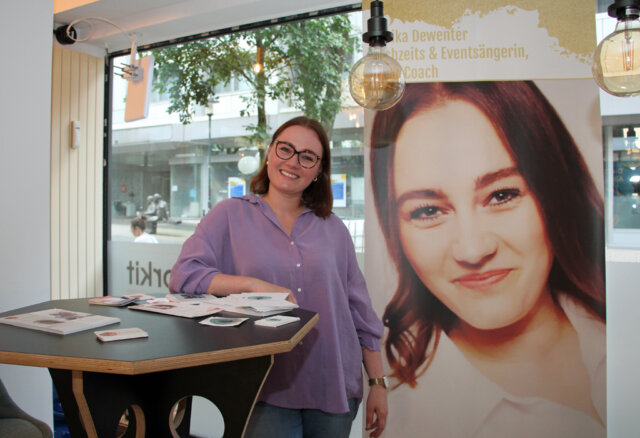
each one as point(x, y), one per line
point(241, 236)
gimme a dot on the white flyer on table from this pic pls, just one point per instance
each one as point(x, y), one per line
point(276, 321)
point(121, 334)
point(180, 309)
point(221, 321)
point(261, 301)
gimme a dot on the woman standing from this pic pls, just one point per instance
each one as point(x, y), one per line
point(284, 238)
point(496, 229)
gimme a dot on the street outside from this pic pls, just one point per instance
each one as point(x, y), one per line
point(170, 232)
point(166, 232)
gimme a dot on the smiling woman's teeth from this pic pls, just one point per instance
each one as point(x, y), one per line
point(290, 175)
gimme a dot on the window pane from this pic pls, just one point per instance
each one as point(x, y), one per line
point(207, 132)
point(622, 188)
point(626, 181)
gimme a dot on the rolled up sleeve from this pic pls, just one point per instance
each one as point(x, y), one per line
point(198, 261)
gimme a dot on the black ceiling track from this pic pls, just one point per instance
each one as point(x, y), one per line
point(243, 28)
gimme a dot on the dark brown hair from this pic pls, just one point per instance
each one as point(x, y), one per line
point(140, 222)
point(318, 196)
point(551, 164)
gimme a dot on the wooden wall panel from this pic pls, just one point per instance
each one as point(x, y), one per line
point(76, 175)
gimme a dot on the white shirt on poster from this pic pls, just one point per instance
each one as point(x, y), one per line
point(453, 399)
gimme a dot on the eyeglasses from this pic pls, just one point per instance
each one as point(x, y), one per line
point(306, 158)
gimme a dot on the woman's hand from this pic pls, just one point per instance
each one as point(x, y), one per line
point(377, 410)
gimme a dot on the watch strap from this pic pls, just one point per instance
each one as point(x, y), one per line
point(379, 381)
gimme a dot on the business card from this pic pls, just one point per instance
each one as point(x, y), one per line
point(219, 321)
point(121, 334)
point(276, 321)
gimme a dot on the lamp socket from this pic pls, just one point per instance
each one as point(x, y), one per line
point(65, 38)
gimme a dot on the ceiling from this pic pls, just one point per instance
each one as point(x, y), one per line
point(155, 21)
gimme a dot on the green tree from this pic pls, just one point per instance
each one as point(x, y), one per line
point(319, 53)
point(301, 62)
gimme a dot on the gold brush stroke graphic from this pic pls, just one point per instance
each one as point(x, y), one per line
point(572, 22)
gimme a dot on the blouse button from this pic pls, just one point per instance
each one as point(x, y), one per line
point(292, 243)
point(299, 289)
point(298, 265)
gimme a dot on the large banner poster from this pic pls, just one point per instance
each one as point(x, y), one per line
point(484, 222)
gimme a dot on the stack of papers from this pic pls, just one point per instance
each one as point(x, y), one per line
point(112, 301)
point(257, 303)
point(185, 310)
point(190, 298)
point(140, 297)
point(245, 303)
point(59, 321)
point(124, 300)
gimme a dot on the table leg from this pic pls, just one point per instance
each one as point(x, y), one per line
point(94, 402)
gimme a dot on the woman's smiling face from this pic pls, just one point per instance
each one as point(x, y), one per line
point(468, 223)
point(288, 176)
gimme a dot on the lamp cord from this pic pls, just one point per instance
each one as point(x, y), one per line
point(88, 20)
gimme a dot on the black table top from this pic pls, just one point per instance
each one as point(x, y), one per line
point(173, 342)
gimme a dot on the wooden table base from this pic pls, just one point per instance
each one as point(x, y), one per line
point(93, 403)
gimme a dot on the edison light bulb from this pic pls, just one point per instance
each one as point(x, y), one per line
point(376, 81)
point(616, 62)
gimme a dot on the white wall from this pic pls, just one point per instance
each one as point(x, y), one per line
point(25, 114)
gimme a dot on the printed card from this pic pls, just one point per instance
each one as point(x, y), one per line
point(121, 334)
point(220, 321)
point(276, 321)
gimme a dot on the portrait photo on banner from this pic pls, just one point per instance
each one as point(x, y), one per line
point(485, 258)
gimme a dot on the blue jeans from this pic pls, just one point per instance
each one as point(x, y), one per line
point(268, 421)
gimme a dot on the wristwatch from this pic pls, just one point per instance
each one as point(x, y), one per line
point(384, 381)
